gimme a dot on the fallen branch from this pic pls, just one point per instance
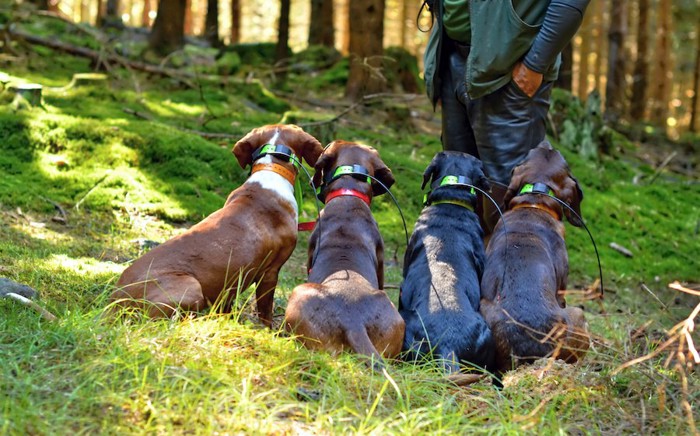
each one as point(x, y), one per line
point(97, 57)
point(31, 304)
point(620, 249)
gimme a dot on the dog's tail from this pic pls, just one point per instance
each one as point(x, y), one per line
point(359, 341)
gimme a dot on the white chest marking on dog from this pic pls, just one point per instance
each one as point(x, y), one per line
point(275, 182)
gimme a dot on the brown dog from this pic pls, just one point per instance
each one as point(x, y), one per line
point(343, 304)
point(247, 241)
point(527, 266)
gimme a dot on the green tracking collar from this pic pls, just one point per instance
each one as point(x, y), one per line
point(536, 188)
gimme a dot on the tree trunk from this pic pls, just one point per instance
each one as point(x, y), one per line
point(111, 16)
point(564, 80)
point(211, 24)
point(641, 65)
point(366, 48)
point(696, 83)
point(146, 14)
point(344, 25)
point(187, 25)
point(586, 32)
point(615, 87)
point(662, 73)
point(321, 28)
point(282, 48)
point(601, 49)
point(235, 21)
point(167, 34)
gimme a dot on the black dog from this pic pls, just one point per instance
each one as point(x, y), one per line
point(443, 265)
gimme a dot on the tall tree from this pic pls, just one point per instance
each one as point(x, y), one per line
point(188, 26)
point(168, 33)
point(586, 32)
point(696, 82)
point(615, 86)
point(211, 23)
point(366, 48)
point(564, 81)
point(321, 28)
point(111, 15)
point(146, 13)
point(641, 69)
point(282, 48)
point(663, 73)
point(235, 21)
point(601, 48)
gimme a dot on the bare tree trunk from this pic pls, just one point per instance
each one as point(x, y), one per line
point(564, 80)
point(167, 34)
point(188, 18)
point(146, 14)
point(345, 26)
point(662, 72)
point(366, 48)
point(321, 28)
point(615, 87)
point(111, 16)
point(211, 24)
point(601, 49)
point(282, 48)
point(696, 83)
point(586, 32)
point(235, 21)
point(641, 65)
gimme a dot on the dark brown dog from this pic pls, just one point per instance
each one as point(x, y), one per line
point(343, 304)
point(247, 241)
point(527, 266)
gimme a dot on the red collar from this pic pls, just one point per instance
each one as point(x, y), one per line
point(347, 192)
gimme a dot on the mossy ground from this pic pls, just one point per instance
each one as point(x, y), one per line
point(120, 163)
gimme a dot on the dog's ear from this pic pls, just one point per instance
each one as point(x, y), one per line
point(516, 179)
point(481, 181)
point(428, 173)
point(322, 165)
point(384, 175)
point(311, 147)
point(244, 148)
point(573, 195)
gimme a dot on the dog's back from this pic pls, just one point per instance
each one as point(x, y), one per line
point(440, 293)
point(526, 267)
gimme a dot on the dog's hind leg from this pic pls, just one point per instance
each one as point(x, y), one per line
point(172, 292)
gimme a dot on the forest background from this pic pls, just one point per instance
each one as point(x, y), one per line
point(130, 144)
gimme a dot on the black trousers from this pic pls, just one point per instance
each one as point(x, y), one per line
point(499, 128)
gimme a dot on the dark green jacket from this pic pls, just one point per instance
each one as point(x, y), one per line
point(502, 33)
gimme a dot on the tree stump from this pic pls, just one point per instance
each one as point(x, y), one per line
point(31, 93)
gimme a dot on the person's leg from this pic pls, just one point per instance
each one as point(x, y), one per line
point(457, 133)
point(507, 124)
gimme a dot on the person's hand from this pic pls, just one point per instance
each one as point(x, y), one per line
point(527, 80)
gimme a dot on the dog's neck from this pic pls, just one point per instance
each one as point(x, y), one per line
point(536, 195)
point(348, 192)
point(276, 177)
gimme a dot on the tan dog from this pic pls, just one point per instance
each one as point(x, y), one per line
point(343, 305)
point(527, 266)
point(247, 241)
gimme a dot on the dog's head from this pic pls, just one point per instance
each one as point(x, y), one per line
point(303, 145)
point(544, 164)
point(456, 163)
point(340, 153)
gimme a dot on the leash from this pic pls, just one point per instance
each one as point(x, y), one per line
point(595, 247)
point(543, 189)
